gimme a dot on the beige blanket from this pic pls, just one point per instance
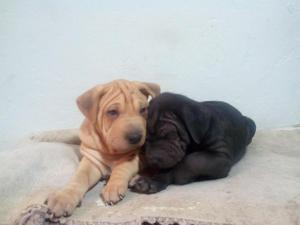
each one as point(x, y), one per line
point(263, 188)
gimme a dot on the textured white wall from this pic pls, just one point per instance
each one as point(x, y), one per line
point(243, 52)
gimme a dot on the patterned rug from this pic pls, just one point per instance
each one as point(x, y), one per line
point(40, 215)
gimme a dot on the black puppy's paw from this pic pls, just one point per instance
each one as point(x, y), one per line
point(147, 185)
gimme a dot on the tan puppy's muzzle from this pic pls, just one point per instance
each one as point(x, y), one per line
point(134, 137)
point(135, 132)
point(127, 134)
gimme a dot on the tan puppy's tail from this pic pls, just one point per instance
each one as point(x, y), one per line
point(67, 136)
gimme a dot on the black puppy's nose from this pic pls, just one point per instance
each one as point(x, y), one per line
point(154, 161)
point(134, 137)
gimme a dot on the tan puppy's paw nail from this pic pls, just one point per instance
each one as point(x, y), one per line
point(112, 194)
point(62, 203)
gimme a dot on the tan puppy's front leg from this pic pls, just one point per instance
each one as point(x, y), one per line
point(63, 202)
point(117, 185)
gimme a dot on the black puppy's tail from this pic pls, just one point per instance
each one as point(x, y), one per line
point(251, 128)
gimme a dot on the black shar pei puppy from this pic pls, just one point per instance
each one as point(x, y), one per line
point(189, 141)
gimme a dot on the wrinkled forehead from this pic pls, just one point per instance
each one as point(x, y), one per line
point(161, 121)
point(124, 97)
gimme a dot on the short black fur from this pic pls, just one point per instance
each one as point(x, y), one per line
point(189, 141)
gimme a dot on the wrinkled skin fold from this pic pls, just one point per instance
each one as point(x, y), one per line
point(190, 141)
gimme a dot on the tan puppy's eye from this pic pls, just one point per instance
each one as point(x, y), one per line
point(143, 110)
point(113, 113)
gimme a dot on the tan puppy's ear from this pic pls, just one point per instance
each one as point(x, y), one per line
point(88, 102)
point(149, 89)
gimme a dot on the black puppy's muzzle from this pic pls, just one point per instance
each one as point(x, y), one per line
point(153, 161)
point(153, 157)
point(158, 158)
point(163, 155)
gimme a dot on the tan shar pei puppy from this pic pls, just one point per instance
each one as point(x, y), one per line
point(113, 131)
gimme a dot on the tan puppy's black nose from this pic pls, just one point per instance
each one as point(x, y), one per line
point(134, 137)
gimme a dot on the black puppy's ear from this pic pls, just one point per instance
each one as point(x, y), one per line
point(172, 118)
point(196, 123)
point(152, 118)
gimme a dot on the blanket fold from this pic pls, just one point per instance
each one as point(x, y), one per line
point(40, 215)
point(263, 188)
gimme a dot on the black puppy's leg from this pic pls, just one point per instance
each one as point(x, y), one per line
point(195, 166)
point(151, 185)
point(202, 166)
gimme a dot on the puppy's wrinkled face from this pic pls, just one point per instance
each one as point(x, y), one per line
point(123, 121)
point(166, 142)
point(118, 112)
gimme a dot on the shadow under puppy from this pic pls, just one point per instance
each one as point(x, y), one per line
point(189, 141)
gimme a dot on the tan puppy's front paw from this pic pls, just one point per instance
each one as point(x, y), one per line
point(113, 193)
point(63, 203)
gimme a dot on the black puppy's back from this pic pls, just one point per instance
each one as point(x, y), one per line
point(225, 112)
point(227, 124)
point(213, 121)
point(251, 127)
